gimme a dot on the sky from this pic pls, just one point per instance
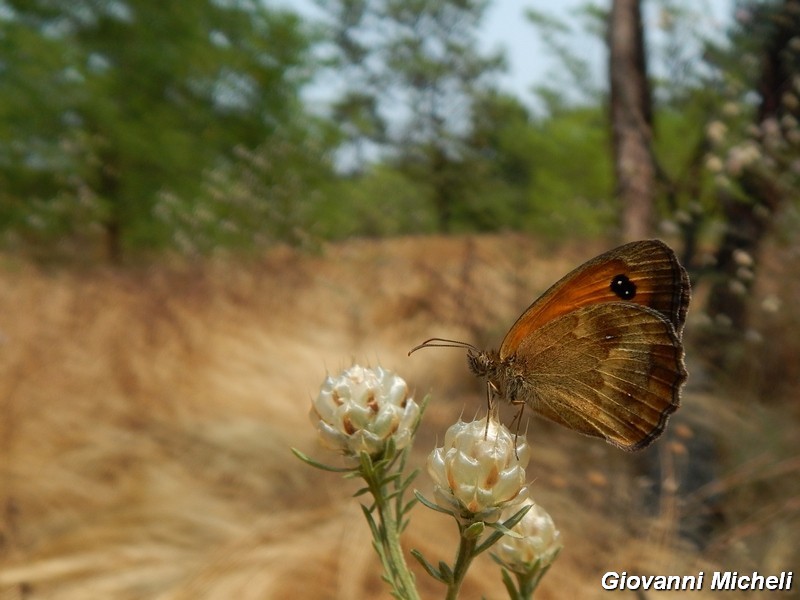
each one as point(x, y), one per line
point(529, 61)
point(528, 58)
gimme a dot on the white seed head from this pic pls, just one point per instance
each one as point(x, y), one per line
point(479, 471)
point(361, 409)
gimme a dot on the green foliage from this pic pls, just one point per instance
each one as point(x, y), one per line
point(759, 145)
point(726, 128)
point(379, 202)
point(256, 196)
point(116, 105)
point(572, 187)
point(411, 73)
point(132, 126)
point(549, 175)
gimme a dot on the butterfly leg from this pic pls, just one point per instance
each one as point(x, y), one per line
point(518, 419)
point(491, 406)
point(518, 416)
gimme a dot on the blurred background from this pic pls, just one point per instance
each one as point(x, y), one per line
point(205, 207)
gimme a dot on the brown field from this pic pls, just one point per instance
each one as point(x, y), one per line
point(147, 415)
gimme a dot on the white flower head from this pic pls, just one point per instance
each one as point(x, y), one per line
point(742, 156)
point(714, 163)
point(716, 131)
point(538, 544)
point(361, 409)
point(743, 258)
point(479, 470)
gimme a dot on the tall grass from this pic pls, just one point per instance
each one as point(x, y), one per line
point(146, 418)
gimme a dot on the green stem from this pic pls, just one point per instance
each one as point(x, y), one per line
point(466, 552)
point(397, 571)
point(526, 586)
point(529, 583)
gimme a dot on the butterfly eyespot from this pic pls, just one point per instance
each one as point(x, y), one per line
point(623, 287)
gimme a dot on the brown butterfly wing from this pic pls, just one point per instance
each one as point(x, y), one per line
point(609, 370)
point(645, 273)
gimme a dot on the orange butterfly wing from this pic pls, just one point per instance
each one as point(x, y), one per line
point(646, 273)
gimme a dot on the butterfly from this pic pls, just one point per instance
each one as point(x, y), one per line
point(601, 351)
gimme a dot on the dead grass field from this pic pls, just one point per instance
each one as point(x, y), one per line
point(146, 417)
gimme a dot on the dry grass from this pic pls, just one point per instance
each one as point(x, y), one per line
point(146, 418)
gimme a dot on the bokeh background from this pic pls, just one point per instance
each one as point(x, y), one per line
point(206, 207)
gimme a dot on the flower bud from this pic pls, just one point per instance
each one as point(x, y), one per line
point(479, 470)
point(361, 409)
point(537, 545)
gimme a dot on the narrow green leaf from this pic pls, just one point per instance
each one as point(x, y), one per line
point(502, 529)
point(408, 506)
point(372, 524)
point(488, 542)
point(367, 466)
point(404, 524)
point(517, 517)
point(446, 572)
point(513, 593)
point(361, 491)
point(429, 568)
point(318, 465)
point(433, 506)
point(411, 477)
point(392, 478)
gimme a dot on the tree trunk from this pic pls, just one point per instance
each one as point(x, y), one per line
point(631, 120)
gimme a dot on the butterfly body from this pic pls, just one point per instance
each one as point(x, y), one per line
point(600, 352)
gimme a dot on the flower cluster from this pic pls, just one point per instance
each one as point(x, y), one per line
point(478, 474)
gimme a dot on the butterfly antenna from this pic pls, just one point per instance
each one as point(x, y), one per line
point(442, 343)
